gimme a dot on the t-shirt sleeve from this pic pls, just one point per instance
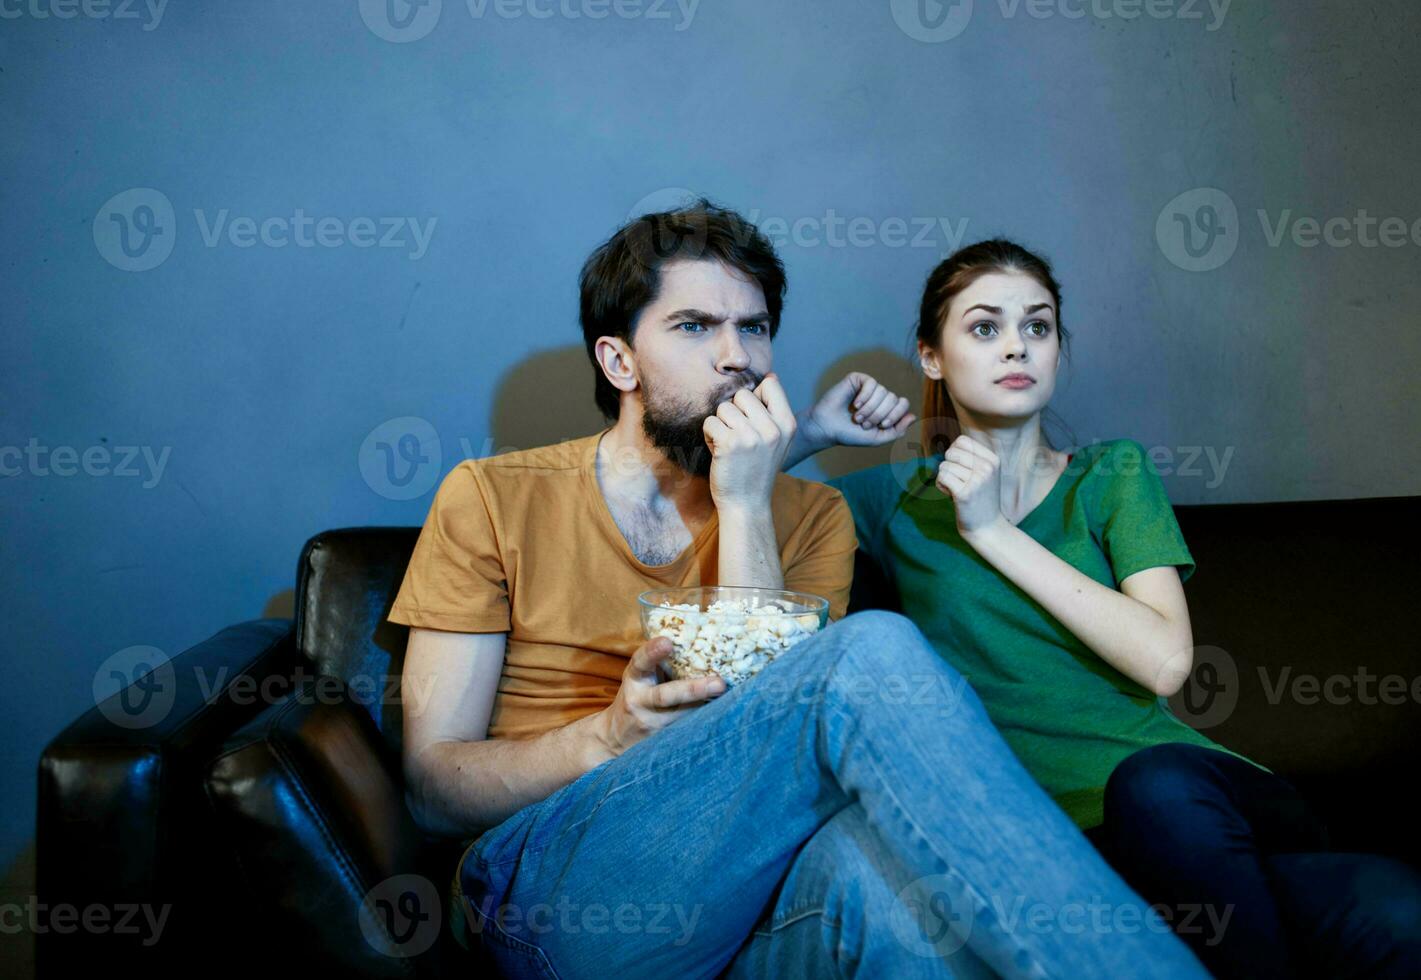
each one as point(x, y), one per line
point(862, 492)
point(824, 563)
point(456, 580)
point(1132, 514)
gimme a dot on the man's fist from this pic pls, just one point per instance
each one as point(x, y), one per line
point(748, 437)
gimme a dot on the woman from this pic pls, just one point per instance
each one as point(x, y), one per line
point(1052, 582)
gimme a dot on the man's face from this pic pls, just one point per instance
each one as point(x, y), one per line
point(704, 337)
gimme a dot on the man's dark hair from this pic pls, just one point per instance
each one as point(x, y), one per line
point(623, 275)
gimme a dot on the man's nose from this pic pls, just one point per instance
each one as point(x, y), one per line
point(732, 355)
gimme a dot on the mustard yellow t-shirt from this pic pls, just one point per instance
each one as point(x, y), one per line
point(524, 544)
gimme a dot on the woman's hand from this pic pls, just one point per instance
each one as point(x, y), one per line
point(970, 473)
point(858, 411)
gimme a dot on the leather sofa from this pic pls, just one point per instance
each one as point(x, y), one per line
point(265, 809)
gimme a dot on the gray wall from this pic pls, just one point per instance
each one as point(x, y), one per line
point(263, 377)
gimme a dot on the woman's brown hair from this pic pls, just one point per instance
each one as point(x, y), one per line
point(952, 275)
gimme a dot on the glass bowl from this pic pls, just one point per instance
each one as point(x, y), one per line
point(733, 631)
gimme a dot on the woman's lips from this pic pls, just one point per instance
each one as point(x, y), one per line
point(1016, 382)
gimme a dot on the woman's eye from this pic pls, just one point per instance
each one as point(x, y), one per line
point(1045, 327)
point(977, 327)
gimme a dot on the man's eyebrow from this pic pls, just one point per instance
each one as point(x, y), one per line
point(701, 316)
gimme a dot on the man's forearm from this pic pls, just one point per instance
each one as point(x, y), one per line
point(468, 787)
point(749, 551)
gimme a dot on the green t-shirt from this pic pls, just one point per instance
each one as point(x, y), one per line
point(1069, 716)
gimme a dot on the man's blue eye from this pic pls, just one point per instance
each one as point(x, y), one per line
point(690, 323)
point(758, 328)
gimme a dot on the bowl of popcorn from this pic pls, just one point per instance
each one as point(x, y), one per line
point(732, 631)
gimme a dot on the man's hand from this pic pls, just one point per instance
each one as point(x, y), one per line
point(748, 437)
point(970, 473)
point(858, 411)
point(645, 704)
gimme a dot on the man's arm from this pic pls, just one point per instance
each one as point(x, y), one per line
point(459, 782)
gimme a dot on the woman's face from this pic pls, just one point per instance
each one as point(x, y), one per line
point(999, 328)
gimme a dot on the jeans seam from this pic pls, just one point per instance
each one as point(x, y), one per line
point(967, 885)
point(512, 943)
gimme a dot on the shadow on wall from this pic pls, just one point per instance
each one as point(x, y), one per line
point(887, 367)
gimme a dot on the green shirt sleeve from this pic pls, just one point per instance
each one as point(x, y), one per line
point(871, 499)
point(1131, 514)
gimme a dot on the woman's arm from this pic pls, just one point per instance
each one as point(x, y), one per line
point(1142, 630)
point(858, 411)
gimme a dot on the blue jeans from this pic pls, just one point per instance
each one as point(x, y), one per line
point(849, 809)
point(1192, 827)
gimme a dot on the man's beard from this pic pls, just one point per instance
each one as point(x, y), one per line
point(676, 427)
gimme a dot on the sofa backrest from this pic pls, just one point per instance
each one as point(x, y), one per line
point(1303, 608)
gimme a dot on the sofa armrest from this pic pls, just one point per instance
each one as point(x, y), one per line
point(311, 800)
point(119, 803)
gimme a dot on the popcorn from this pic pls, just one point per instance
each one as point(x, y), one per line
point(731, 637)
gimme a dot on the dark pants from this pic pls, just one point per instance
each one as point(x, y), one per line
point(1245, 873)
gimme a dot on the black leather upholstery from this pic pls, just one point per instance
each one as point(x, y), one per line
point(268, 823)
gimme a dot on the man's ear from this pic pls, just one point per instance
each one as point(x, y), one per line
point(927, 359)
point(618, 362)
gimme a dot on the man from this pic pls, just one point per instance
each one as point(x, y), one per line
point(848, 809)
